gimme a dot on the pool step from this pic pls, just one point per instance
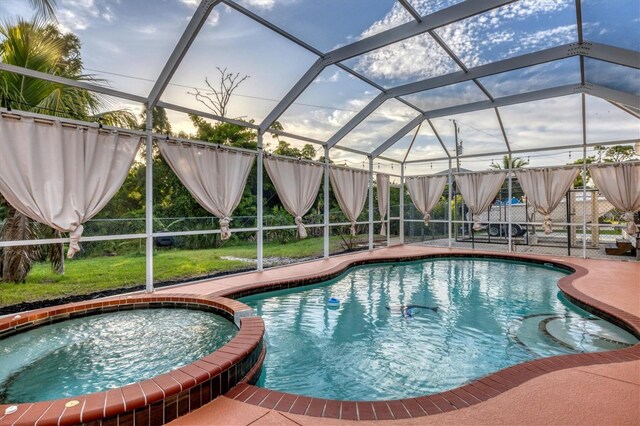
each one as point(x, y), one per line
point(543, 334)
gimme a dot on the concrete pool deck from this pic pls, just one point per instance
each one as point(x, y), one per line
point(608, 393)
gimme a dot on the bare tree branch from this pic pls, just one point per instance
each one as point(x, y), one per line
point(217, 100)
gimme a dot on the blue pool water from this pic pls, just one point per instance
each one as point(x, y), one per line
point(105, 351)
point(408, 329)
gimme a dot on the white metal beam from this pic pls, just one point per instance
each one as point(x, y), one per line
point(530, 150)
point(612, 95)
point(453, 78)
point(625, 109)
point(203, 114)
point(506, 100)
point(435, 20)
point(71, 83)
point(188, 36)
point(477, 106)
point(397, 136)
point(357, 119)
point(605, 52)
point(492, 68)
point(440, 18)
point(412, 10)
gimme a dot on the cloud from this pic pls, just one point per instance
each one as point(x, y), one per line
point(79, 15)
point(491, 36)
point(147, 29)
point(190, 3)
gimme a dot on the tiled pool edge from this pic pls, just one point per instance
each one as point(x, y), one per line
point(470, 394)
point(154, 401)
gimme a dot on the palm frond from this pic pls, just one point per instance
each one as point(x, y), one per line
point(45, 9)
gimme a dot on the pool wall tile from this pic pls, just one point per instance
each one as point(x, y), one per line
point(125, 419)
point(184, 400)
point(170, 408)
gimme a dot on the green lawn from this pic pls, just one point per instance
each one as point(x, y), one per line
point(90, 275)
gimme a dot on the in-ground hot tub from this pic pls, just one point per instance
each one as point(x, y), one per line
point(145, 358)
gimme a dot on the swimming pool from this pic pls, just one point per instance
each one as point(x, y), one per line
point(106, 351)
point(409, 329)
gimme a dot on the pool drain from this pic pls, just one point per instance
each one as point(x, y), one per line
point(72, 403)
point(11, 409)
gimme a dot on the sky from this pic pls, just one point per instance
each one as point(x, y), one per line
point(126, 42)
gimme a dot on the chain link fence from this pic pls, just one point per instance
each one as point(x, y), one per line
point(584, 224)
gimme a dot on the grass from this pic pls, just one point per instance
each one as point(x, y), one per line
point(90, 275)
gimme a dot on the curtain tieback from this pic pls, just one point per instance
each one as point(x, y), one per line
point(632, 228)
point(74, 236)
point(477, 222)
point(427, 218)
point(546, 224)
point(302, 231)
point(353, 228)
point(383, 227)
point(225, 233)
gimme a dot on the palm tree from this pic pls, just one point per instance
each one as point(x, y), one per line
point(516, 163)
point(45, 9)
point(41, 47)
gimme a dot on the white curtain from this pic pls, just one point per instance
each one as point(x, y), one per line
point(478, 191)
point(382, 182)
point(545, 188)
point(215, 176)
point(297, 184)
point(620, 185)
point(425, 192)
point(59, 175)
point(350, 187)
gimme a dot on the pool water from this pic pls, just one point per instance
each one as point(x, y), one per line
point(101, 352)
point(409, 329)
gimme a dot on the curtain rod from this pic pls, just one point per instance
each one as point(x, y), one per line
point(67, 122)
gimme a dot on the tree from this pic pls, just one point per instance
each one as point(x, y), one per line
point(516, 163)
point(161, 122)
point(41, 47)
point(218, 98)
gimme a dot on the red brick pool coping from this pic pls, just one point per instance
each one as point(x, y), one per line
point(470, 394)
point(160, 399)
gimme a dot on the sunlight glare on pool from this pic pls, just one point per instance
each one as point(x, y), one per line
point(409, 329)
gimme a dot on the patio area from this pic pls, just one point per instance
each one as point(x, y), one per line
point(192, 155)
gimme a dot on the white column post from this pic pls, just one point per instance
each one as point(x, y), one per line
point(449, 198)
point(370, 203)
point(149, 202)
point(260, 202)
point(326, 203)
point(401, 225)
point(389, 212)
point(594, 218)
point(510, 183)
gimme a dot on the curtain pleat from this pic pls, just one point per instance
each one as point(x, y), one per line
point(620, 185)
point(214, 176)
point(382, 182)
point(297, 184)
point(545, 189)
point(350, 188)
point(425, 192)
point(478, 192)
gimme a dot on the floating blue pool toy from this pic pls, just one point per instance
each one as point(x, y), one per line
point(333, 302)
